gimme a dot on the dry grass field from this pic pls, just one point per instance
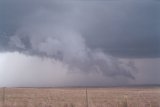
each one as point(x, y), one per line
point(124, 97)
point(45, 97)
point(80, 97)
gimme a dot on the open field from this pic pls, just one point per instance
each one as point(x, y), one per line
point(124, 97)
point(80, 97)
point(45, 98)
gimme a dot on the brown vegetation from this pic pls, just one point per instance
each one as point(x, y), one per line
point(80, 97)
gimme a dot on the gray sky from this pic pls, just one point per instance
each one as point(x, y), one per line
point(79, 43)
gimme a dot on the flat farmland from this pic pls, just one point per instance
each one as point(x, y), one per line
point(81, 97)
point(30, 97)
point(124, 97)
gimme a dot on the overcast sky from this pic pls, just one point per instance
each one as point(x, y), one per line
point(49, 43)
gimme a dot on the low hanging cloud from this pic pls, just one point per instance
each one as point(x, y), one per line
point(86, 36)
point(69, 47)
point(34, 71)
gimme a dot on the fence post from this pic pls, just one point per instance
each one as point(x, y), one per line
point(86, 97)
point(3, 96)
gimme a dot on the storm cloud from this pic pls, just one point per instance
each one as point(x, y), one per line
point(86, 36)
point(121, 28)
